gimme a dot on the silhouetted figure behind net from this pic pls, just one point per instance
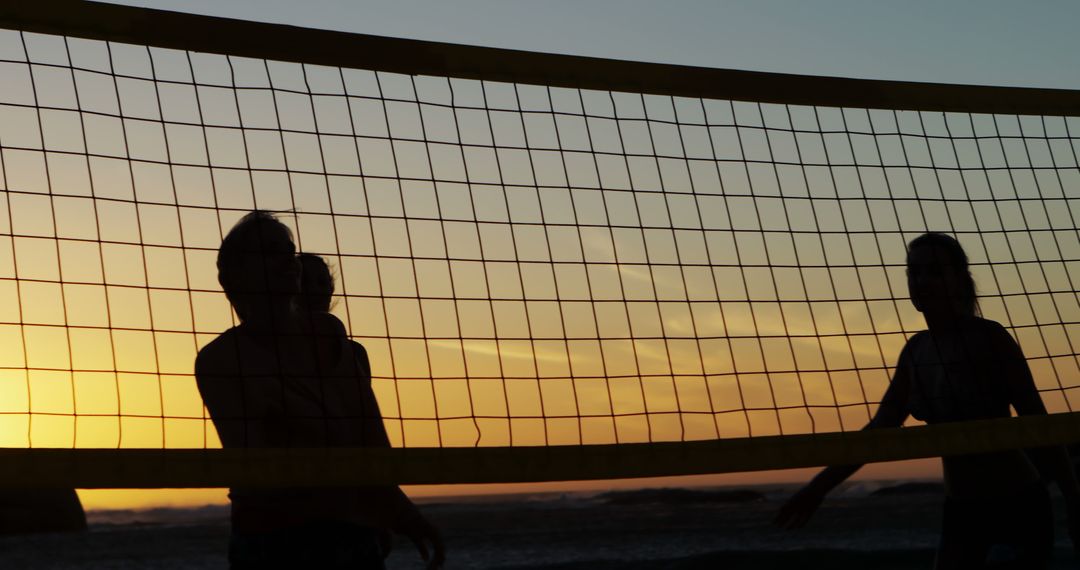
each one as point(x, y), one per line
point(288, 377)
point(316, 284)
point(963, 367)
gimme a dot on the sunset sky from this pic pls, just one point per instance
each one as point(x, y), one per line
point(550, 267)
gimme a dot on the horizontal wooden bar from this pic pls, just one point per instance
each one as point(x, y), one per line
point(158, 28)
point(174, 468)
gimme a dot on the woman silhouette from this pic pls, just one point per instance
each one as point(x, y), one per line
point(285, 377)
point(963, 367)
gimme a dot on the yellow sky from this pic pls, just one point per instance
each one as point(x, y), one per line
point(655, 280)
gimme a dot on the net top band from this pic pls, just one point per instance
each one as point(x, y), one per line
point(164, 29)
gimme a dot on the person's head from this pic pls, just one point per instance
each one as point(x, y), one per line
point(939, 281)
point(257, 265)
point(316, 283)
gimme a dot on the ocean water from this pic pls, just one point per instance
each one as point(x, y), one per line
point(673, 528)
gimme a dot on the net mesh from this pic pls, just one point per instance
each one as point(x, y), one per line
point(526, 265)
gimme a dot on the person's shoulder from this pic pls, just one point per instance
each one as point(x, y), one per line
point(995, 334)
point(358, 348)
point(224, 340)
point(986, 323)
point(326, 324)
point(916, 339)
point(910, 349)
point(989, 327)
point(218, 353)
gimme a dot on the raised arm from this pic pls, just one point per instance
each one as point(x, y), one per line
point(892, 412)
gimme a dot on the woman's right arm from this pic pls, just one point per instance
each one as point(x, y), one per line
point(1052, 461)
point(892, 412)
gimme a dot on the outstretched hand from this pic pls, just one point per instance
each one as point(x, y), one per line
point(799, 508)
point(422, 533)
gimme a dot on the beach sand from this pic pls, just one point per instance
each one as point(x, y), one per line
point(564, 532)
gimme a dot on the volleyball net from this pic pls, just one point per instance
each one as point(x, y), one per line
point(561, 267)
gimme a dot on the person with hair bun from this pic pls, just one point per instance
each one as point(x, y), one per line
point(316, 284)
point(997, 510)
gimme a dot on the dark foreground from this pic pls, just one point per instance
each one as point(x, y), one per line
point(556, 533)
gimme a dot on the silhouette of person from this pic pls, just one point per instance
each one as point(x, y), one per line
point(963, 367)
point(316, 297)
point(284, 377)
